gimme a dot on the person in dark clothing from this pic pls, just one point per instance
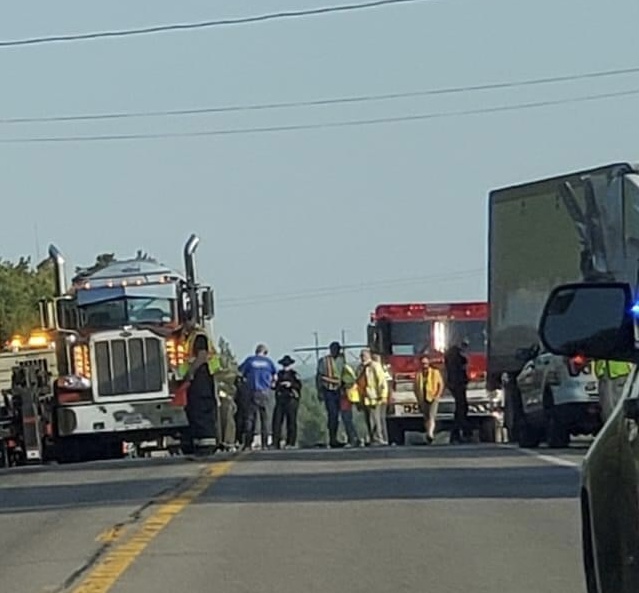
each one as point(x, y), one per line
point(288, 389)
point(241, 413)
point(456, 364)
point(201, 403)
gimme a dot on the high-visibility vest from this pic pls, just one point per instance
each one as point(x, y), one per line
point(330, 371)
point(613, 368)
point(427, 390)
point(349, 379)
point(215, 364)
point(373, 387)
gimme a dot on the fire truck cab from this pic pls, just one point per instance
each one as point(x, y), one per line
point(400, 333)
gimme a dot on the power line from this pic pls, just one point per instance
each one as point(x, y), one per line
point(315, 126)
point(320, 102)
point(346, 288)
point(323, 10)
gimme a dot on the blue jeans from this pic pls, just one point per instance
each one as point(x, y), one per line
point(333, 411)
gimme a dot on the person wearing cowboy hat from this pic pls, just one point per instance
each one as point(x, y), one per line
point(288, 389)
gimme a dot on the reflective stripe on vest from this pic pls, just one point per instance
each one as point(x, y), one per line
point(215, 364)
point(612, 368)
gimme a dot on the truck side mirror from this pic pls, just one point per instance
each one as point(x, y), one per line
point(590, 319)
point(208, 304)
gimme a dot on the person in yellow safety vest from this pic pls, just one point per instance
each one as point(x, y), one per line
point(328, 379)
point(373, 389)
point(428, 388)
point(214, 362)
point(612, 376)
point(349, 398)
point(202, 406)
point(384, 403)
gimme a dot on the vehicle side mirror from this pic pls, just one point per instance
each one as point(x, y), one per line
point(631, 409)
point(590, 319)
point(208, 304)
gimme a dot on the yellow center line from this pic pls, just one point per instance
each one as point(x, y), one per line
point(107, 571)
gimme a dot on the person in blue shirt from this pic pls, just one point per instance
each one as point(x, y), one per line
point(260, 373)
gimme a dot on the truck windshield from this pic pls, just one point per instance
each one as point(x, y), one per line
point(129, 311)
point(473, 330)
point(408, 338)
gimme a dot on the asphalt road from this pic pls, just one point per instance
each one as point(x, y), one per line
point(442, 519)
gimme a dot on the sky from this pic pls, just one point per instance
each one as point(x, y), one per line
point(306, 230)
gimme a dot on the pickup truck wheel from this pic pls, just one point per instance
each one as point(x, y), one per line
point(529, 437)
point(558, 436)
point(488, 431)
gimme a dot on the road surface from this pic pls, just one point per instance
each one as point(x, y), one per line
point(442, 519)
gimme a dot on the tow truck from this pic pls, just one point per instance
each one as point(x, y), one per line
point(400, 333)
point(110, 377)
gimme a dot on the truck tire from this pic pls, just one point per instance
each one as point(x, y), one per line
point(513, 410)
point(558, 436)
point(396, 434)
point(488, 430)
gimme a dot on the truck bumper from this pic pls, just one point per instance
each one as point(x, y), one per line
point(149, 417)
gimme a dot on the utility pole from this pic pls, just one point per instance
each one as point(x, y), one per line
point(317, 348)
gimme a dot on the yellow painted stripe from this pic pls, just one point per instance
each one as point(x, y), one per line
point(106, 573)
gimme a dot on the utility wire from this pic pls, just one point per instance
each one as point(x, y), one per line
point(320, 102)
point(314, 126)
point(293, 14)
point(347, 288)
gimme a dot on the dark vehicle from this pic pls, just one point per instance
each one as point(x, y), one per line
point(578, 227)
point(599, 320)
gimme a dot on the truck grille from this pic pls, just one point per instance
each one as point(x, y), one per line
point(127, 366)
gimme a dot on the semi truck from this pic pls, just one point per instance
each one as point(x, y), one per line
point(118, 334)
point(400, 333)
point(578, 226)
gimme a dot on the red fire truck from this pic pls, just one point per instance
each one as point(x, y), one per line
point(401, 332)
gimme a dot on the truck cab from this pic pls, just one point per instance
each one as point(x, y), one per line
point(400, 333)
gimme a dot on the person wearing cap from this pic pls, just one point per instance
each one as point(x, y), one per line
point(456, 363)
point(260, 372)
point(330, 371)
point(428, 388)
point(288, 390)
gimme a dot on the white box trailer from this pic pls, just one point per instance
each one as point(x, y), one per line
point(578, 226)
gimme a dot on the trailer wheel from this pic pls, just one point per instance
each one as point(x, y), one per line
point(488, 430)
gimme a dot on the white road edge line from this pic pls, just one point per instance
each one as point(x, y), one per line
point(547, 458)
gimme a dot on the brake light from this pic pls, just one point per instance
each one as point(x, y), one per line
point(578, 364)
point(82, 361)
point(175, 352)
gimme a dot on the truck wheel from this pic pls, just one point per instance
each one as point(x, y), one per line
point(529, 437)
point(488, 431)
point(396, 434)
point(558, 436)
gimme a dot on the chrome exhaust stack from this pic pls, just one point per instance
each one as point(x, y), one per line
point(189, 260)
point(59, 270)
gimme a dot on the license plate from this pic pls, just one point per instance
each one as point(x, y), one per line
point(406, 409)
point(133, 419)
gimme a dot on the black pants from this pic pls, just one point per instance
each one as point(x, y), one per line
point(460, 425)
point(285, 410)
point(258, 407)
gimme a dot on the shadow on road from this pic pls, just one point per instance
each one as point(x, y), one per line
point(517, 483)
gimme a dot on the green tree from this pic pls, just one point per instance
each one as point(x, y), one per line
point(226, 377)
point(21, 287)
